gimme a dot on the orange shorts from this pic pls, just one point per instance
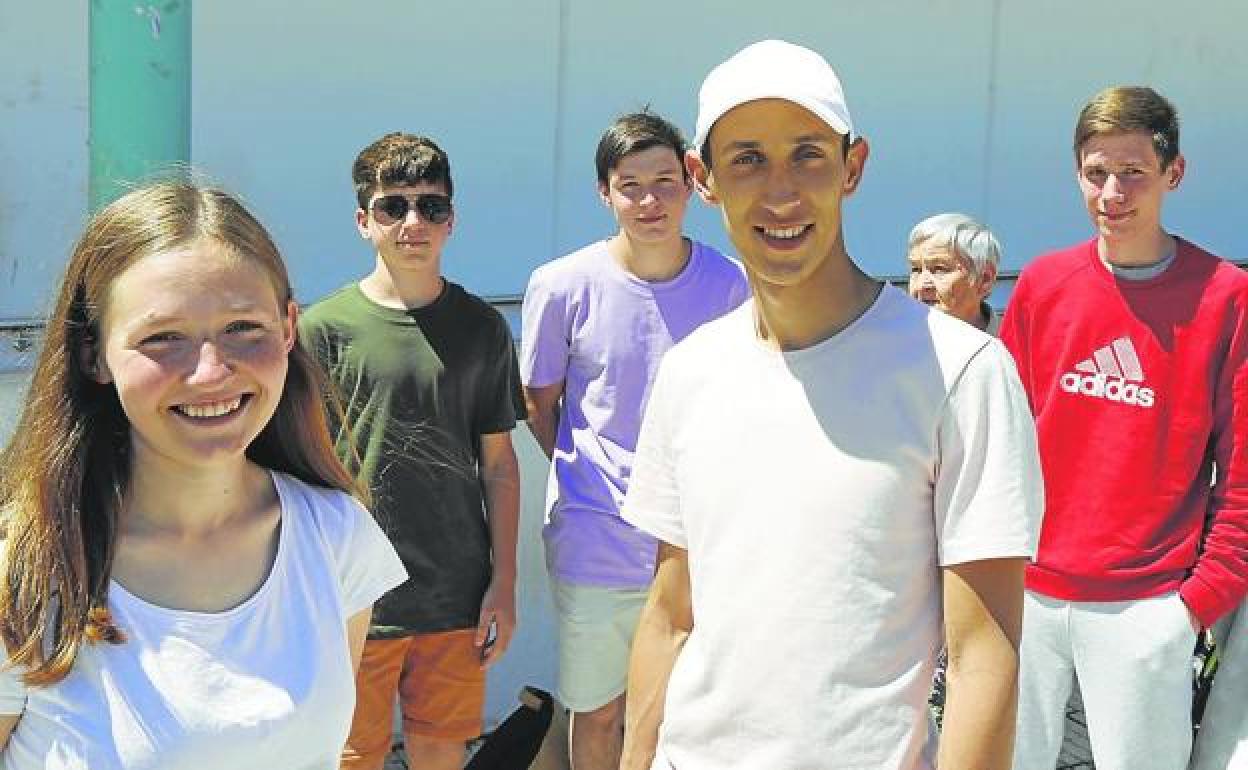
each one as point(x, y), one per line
point(440, 686)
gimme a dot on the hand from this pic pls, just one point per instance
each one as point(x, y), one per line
point(498, 610)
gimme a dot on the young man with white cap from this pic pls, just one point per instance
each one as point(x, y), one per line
point(826, 468)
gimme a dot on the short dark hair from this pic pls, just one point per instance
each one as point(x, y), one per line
point(1124, 109)
point(399, 160)
point(635, 132)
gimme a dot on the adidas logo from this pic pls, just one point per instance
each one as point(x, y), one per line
point(1112, 373)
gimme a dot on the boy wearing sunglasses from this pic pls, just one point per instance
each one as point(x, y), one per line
point(428, 378)
point(596, 323)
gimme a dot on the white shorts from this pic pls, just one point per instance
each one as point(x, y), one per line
point(596, 627)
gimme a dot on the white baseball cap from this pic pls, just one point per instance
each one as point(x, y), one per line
point(773, 69)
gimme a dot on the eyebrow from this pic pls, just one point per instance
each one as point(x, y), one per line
point(672, 169)
point(751, 144)
point(1133, 160)
point(161, 319)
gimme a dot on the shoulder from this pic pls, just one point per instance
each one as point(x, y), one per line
point(337, 539)
point(1223, 274)
point(570, 271)
point(332, 513)
point(713, 342)
point(330, 309)
point(720, 267)
point(475, 314)
point(934, 341)
point(717, 259)
point(1054, 270)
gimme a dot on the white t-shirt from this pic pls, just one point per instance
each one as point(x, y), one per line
point(267, 684)
point(818, 492)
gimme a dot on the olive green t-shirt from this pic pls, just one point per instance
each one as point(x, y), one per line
point(419, 388)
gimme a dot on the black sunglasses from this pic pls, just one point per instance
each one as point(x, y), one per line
point(432, 207)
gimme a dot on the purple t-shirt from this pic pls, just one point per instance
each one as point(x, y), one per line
point(600, 329)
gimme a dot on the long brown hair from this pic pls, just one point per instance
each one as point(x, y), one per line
point(65, 471)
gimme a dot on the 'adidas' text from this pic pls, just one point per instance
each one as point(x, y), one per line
point(1108, 388)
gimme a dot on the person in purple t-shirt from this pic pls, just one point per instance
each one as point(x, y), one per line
point(596, 322)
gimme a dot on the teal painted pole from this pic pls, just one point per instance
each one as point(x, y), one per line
point(140, 93)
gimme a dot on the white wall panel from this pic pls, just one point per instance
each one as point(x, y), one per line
point(968, 104)
point(1056, 55)
point(43, 147)
point(286, 93)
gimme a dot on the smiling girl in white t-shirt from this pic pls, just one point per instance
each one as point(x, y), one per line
point(186, 581)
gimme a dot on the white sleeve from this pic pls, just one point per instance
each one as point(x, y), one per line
point(989, 493)
point(652, 503)
point(367, 564)
point(12, 691)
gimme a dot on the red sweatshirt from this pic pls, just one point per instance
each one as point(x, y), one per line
point(1139, 388)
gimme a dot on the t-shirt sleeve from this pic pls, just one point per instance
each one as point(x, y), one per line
point(367, 564)
point(989, 495)
point(652, 503)
point(500, 400)
point(12, 691)
point(545, 337)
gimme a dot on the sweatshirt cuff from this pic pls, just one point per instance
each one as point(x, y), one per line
point(1204, 603)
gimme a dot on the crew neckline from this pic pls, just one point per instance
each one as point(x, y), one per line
point(402, 314)
point(1112, 275)
point(117, 591)
point(676, 282)
point(883, 296)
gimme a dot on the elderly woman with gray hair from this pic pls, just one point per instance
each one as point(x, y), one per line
point(953, 266)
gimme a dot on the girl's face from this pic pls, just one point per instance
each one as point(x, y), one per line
point(195, 342)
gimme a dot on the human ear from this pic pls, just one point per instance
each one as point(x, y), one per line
point(701, 178)
point(1175, 172)
point(987, 279)
point(855, 164)
point(290, 326)
point(361, 224)
point(604, 194)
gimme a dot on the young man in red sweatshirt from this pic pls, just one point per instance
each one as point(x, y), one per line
point(1132, 350)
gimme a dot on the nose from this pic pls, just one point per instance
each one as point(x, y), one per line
point(1113, 188)
point(781, 189)
point(648, 198)
point(210, 365)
